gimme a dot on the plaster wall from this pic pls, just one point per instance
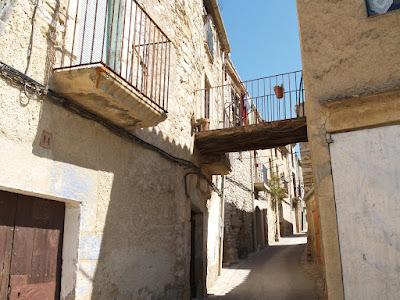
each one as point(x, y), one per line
point(368, 206)
point(129, 222)
point(214, 236)
point(350, 64)
point(345, 52)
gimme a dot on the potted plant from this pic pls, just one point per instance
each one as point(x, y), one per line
point(279, 91)
point(277, 193)
point(204, 124)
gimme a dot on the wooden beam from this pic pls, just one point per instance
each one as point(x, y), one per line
point(252, 137)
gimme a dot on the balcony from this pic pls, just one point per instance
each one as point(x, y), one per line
point(115, 62)
point(263, 113)
point(260, 179)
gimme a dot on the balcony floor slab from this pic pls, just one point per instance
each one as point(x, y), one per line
point(101, 91)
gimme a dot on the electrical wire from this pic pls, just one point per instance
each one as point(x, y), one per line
point(39, 89)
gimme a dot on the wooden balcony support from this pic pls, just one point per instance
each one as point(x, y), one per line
point(218, 164)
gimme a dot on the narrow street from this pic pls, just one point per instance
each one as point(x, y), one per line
point(277, 272)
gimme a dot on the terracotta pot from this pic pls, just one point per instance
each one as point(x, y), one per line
point(204, 124)
point(279, 91)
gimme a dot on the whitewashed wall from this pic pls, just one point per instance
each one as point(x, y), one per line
point(366, 172)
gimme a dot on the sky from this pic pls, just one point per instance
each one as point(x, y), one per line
point(263, 35)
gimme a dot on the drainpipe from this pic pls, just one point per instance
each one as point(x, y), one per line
point(222, 210)
point(222, 225)
point(253, 200)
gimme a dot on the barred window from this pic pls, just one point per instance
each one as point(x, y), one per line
point(209, 35)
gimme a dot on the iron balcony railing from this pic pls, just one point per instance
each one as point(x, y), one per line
point(120, 35)
point(267, 99)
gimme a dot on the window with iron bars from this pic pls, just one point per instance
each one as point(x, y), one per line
point(209, 33)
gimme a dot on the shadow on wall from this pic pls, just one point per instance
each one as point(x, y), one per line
point(134, 240)
point(286, 228)
point(135, 216)
point(239, 234)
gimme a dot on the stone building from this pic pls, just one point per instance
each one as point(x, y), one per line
point(285, 163)
point(99, 106)
point(243, 226)
point(351, 62)
point(250, 219)
point(239, 210)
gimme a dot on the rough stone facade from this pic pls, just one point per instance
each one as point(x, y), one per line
point(350, 69)
point(251, 222)
point(128, 208)
point(306, 167)
point(239, 209)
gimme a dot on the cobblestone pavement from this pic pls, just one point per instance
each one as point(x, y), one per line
point(277, 272)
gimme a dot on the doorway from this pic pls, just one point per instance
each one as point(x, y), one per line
point(265, 221)
point(260, 230)
point(31, 233)
point(196, 256)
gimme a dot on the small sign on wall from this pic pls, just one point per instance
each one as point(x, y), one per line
point(377, 7)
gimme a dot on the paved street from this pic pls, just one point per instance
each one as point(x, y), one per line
point(278, 272)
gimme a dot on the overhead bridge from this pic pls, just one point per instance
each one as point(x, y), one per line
point(265, 135)
point(258, 114)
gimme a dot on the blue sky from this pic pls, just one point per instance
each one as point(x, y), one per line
point(263, 35)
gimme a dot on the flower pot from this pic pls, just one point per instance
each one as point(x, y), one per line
point(204, 124)
point(279, 91)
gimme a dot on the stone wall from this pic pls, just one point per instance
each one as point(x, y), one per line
point(239, 209)
point(306, 166)
point(127, 230)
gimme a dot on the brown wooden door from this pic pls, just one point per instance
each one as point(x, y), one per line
point(8, 205)
point(35, 264)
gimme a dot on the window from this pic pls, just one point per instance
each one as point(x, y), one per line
point(210, 36)
point(209, 32)
point(207, 99)
point(265, 174)
point(235, 100)
point(376, 7)
point(292, 157)
point(294, 184)
point(270, 166)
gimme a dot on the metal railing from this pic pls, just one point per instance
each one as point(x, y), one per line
point(122, 36)
point(267, 99)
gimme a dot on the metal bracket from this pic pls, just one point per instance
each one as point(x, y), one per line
point(329, 138)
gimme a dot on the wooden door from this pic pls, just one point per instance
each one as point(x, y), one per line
point(8, 204)
point(196, 261)
point(35, 264)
